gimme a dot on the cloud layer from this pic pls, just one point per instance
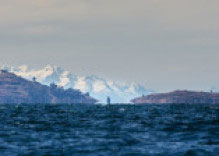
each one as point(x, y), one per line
point(33, 15)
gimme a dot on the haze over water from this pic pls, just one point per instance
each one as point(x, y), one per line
point(118, 130)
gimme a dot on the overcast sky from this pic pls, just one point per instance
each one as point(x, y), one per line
point(163, 44)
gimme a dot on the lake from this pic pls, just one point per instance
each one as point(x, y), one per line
point(118, 130)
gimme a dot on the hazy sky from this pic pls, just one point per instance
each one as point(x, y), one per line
point(164, 44)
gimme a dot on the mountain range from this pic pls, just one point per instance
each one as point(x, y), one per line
point(97, 87)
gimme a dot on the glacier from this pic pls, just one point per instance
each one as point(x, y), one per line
point(97, 87)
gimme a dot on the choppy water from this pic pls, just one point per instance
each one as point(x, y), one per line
point(121, 130)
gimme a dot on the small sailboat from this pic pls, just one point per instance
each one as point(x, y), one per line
point(108, 100)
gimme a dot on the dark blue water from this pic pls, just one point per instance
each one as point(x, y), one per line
point(121, 130)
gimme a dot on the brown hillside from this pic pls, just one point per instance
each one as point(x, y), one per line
point(14, 89)
point(187, 97)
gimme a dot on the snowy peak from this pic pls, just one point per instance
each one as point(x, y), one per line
point(98, 87)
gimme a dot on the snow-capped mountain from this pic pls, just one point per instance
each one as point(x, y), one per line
point(98, 88)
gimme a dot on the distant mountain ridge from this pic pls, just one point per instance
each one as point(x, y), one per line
point(98, 87)
point(179, 97)
point(15, 89)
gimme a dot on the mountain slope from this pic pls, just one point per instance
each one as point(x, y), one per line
point(15, 89)
point(98, 88)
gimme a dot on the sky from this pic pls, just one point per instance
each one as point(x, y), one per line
point(163, 44)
